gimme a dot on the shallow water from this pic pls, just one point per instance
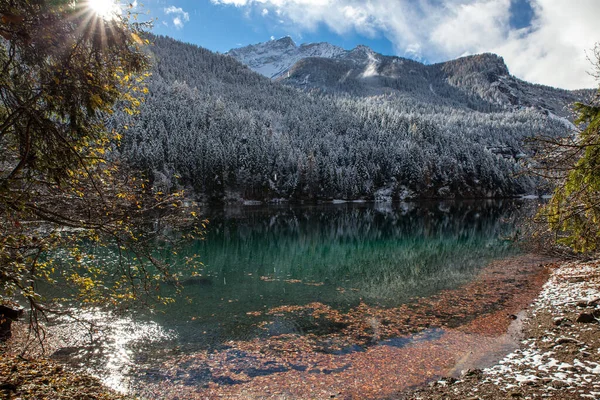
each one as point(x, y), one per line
point(256, 258)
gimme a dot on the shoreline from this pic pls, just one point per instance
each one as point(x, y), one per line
point(482, 342)
point(559, 357)
point(192, 201)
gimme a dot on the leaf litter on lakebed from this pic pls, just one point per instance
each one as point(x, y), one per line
point(367, 351)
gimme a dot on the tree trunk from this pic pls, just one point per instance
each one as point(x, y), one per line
point(8, 314)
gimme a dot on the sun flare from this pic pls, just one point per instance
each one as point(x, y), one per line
point(104, 8)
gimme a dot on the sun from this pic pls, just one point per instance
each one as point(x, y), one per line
point(106, 9)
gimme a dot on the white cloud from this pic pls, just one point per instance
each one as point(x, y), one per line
point(264, 12)
point(554, 50)
point(551, 51)
point(413, 50)
point(180, 17)
point(469, 26)
point(237, 3)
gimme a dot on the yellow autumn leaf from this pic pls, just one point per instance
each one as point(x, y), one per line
point(136, 38)
point(96, 100)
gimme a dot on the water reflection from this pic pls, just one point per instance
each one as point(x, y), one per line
point(256, 258)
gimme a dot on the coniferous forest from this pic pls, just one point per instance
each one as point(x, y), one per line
point(212, 126)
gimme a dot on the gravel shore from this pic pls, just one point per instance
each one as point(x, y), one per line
point(559, 357)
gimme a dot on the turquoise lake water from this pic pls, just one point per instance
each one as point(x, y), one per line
point(259, 257)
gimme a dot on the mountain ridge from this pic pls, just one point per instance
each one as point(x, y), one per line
point(482, 81)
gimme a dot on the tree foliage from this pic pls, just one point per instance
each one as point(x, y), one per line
point(64, 71)
point(573, 213)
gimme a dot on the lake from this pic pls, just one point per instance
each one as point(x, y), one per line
point(306, 273)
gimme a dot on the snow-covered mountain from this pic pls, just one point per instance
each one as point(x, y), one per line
point(482, 82)
point(342, 125)
point(274, 58)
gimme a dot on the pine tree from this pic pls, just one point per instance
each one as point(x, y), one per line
point(574, 210)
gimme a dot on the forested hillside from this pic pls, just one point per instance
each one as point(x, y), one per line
point(212, 125)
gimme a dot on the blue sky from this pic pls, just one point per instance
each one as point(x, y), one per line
point(543, 41)
point(220, 27)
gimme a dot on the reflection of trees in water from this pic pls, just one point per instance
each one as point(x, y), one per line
point(364, 221)
point(388, 253)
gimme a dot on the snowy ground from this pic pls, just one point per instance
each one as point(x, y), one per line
point(560, 357)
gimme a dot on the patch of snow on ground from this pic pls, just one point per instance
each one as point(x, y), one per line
point(565, 121)
point(371, 69)
point(535, 363)
point(431, 89)
point(252, 203)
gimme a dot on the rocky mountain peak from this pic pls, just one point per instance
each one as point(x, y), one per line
point(273, 58)
point(361, 48)
point(489, 64)
point(285, 41)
